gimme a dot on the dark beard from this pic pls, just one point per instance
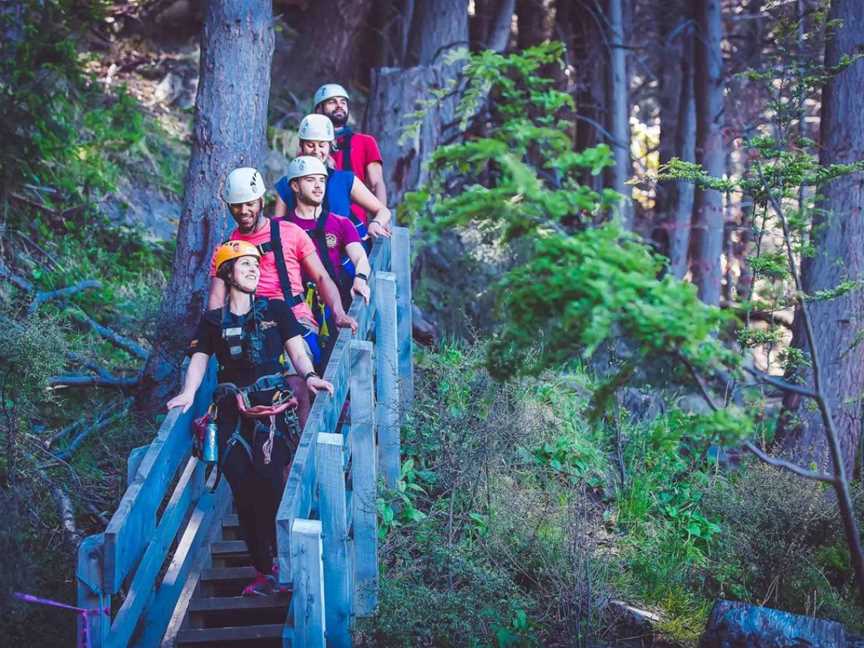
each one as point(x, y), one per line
point(339, 122)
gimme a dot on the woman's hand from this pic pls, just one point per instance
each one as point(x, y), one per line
point(360, 287)
point(183, 400)
point(316, 384)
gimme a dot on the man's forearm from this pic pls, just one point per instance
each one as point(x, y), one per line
point(330, 294)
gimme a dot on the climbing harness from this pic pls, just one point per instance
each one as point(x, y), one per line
point(345, 147)
point(274, 245)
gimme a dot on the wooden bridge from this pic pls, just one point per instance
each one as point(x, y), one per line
point(169, 568)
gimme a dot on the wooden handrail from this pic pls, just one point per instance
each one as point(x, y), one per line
point(134, 547)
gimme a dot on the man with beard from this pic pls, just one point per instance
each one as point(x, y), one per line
point(357, 152)
point(281, 269)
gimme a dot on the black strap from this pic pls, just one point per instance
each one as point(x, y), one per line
point(319, 236)
point(275, 243)
point(346, 150)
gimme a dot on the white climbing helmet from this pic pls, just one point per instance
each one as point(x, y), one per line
point(328, 91)
point(316, 128)
point(305, 165)
point(243, 185)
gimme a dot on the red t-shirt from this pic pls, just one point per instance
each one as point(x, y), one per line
point(338, 230)
point(364, 151)
point(296, 246)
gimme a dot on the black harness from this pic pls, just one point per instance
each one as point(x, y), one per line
point(274, 245)
point(345, 147)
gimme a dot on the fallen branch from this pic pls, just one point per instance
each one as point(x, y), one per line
point(62, 432)
point(11, 277)
point(42, 297)
point(97, 425)
point(103, 380)
point(120, 341)
point(67, 515)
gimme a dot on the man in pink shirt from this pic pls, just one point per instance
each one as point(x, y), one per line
point(364, 157)
point(244, 194)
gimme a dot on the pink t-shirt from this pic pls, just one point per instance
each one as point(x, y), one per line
point(338, 231)
point(364, 151)
point(296, 246)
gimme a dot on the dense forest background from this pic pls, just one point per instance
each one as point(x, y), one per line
point(638, 278)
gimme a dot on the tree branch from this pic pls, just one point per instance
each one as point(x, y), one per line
point(99, 423)
point(42, 297)
point(120, 341)
point(11, 277)
point(103, 380)
point(779, 383)
point(788, 465)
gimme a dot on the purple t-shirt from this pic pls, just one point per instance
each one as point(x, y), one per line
point(338, 230)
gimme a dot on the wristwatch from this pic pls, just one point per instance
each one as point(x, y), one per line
point(360, 275)
point(310, 375)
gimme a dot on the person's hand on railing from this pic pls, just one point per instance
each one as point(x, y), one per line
point(344, 321)
point(183, 400)
point(360, 287)
point(316, 384)
point(376, 229)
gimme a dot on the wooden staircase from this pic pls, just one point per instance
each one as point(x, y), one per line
point(170, 566)
point(216, 614)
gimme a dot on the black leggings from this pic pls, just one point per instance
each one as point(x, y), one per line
point(257, 487)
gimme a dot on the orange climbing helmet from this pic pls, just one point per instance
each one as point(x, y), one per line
point(234, 250)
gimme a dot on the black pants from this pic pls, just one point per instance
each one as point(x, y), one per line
point(256, 486)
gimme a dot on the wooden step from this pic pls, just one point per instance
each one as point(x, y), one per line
point(230, 521)
point(229, 603)
point(228, 548)
point(229, 635)
point(228, 574)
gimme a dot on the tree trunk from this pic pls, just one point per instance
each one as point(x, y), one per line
point(439, 26)
point(685, 145)
point(533, 22)
point(708, 231)
point(326, 47)
point(619, 113)
point(837, 234)
point(230, 130)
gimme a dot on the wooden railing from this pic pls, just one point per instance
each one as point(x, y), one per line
point(326, 524)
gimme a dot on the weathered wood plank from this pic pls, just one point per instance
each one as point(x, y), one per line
point(133, 522)
point(401, 262)
point(308, 577)
point(141, 590)
point(206, 515)
point(334, 525)
point(136, 456)
point(364, 478)
point(387, 377)
point(88, 575)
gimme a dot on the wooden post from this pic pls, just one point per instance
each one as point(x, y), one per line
point(387, 370)
point(136, 456)
point(307, 574)
point(400, 261)
point(90, 592)
point(334, 523)
point(364, 478)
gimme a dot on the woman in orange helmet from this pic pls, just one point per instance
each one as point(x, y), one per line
point(248, 336)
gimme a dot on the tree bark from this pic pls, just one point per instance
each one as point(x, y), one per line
point(230, 131)
point(685, 145)
point(533, 22)
point(327, 45)
point(439, 26)
point(837, 233)
point(619, 113)
point(710, 150)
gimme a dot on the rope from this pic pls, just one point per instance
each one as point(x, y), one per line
point(85, 613)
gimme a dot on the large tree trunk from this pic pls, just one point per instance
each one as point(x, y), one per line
point(327, 45)
point(492, 23)
point(230, 130)
point(619, 113)
point(533, 22)
point(837, 234)
point(439, 26)
point(710, 150)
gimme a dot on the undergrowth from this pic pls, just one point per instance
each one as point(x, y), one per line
point(515, 524)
